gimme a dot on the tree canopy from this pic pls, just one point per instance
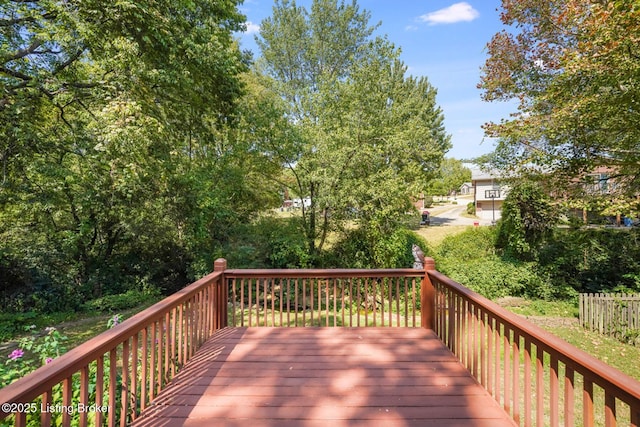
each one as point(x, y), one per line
point(451, 175)
point(369, 136)
point(120, 165)
point(574, 67)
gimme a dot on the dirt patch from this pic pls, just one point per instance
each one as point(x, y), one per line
point(550, 322)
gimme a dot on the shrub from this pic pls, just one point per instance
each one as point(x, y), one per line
point(428, 201)
point(593, 259)
point(527, 219)
point(364, 248)
point(471, 208)
point(471, 259)
point(130, 299)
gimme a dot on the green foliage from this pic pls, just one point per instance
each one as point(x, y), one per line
point(571, 66)
point(474, 243)
point(121, 156)
point(471, 258)
point(33, 351)
point(495, 278)
point(130, 299)
point(369, 136)
point(570, 261)
point(450, 176)
point(593, 259)
point(428, 201)
point(364, 248)
point(471, 208)
point(527, 219)
point(37, 350)
point(266, 242)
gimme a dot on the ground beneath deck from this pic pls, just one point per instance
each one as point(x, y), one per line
point(324, 376)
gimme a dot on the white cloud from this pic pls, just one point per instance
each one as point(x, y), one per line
point(252, 28)
point(458, 12)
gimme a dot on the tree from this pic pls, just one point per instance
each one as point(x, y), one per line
point(528, 218)
point(117, 149)
point(369, 136)
point(451, 175)
point(573, 66)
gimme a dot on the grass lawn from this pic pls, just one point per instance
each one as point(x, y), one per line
point(435, 235)
point(561, 319)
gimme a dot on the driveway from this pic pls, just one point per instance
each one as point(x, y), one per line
point(452, 215)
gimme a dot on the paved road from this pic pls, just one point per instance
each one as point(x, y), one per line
point(451, 215)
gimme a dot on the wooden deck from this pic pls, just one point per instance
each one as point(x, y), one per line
point(324, 376)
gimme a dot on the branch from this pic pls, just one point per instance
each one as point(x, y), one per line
point(23, 52)
point(69, 61)
point(14, 21)
point(16, 74)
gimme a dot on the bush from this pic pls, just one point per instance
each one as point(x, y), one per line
point(363, 248)
point(471, 259)
point(428, 201)
point(495, 278)
point(268, 242)
point(593, 259)
point(471, 208)
point(527, 220)
point(130, 299)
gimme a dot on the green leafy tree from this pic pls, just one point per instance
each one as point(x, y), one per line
point(528, 218)
point(451, 175)
point(117, 152)
point(368, 136)
point(573, 67)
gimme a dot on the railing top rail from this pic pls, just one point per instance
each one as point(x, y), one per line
point(573, 357)
point(45, 377)
point(322, 273)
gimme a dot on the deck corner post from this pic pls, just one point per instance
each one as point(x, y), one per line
point(428, 296)
point(220, 265)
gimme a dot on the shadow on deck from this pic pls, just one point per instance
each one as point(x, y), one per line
point(322, 376)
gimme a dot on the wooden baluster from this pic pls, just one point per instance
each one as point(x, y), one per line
point(113, 365)
point(609, 409)
point(554, 390)
point(569, 396)
point(490, 358)
point(144, 381)
point(515, 351)
point(483, 347)
point(506, 348)
point(527, 383)
point(124, 398)
point(99, 389)
point(539, 387)
point(587, 403)
point(45, 416)
point(84, 395)
point(133, 390)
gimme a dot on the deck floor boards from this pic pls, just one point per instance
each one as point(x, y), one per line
point(324, 376)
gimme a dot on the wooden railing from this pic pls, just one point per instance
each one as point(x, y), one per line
point(114, 376)
point(325, 297)
point(537, 378)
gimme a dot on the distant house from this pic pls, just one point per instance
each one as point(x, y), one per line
point(466, 188)
point(489, 194)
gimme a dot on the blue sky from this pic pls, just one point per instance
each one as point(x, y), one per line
point(442, 40)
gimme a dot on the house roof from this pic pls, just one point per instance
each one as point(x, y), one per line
point(477, 174)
